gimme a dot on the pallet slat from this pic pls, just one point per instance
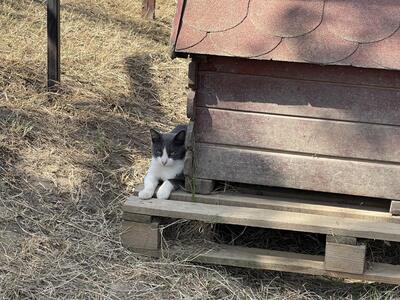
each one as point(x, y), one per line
point(322, 207)
point(285, 204)
point(291, 262)
point(265, 218)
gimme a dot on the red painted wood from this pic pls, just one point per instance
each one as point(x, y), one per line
point(353, 33)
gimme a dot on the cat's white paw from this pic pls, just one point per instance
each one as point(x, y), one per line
point(163, 192)
point(145, 194)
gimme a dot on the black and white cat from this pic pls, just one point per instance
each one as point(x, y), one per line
point(168, 153)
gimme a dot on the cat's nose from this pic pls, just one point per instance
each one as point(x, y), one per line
point(164, 162)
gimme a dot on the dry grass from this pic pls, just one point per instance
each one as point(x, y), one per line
point(68, 161)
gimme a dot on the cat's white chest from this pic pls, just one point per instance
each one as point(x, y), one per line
point(164, 173)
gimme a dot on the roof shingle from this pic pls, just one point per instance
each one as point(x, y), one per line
point(342, 32)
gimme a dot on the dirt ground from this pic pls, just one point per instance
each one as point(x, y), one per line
point(68, 160)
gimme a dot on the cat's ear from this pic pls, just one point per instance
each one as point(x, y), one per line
point(155, 136)
point(179, 138)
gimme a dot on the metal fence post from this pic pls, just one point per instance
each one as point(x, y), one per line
point(53, 40)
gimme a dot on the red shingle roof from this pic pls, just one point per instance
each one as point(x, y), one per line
point(363, 33)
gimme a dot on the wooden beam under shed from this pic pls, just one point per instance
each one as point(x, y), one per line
point(53, 43)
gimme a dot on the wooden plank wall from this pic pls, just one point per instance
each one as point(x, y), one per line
point(332, 129)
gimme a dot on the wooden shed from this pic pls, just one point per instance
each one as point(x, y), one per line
point(293, 93)
point(295, 103)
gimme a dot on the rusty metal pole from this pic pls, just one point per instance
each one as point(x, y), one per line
point(53, 43)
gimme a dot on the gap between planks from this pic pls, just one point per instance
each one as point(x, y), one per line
point(265, 218)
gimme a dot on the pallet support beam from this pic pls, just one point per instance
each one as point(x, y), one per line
point(395, 208)
point(342, 254)
point(141, 234)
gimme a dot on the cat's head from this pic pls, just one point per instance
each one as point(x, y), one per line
point(167, 148)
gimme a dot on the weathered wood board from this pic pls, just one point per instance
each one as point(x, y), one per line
point(299, 98)
point(330, 129)
point(190, 105)
point(293, 204)
point(199, 185)
point(189, 139)
point(344, 257)
point(297, 171)
point(294, 134)
point(303, 71)
point(137, 218)
point(264, 218)
point(291, 262)
point(323, 206)
point(137, 235)
point(395, 208)
point(192, 74)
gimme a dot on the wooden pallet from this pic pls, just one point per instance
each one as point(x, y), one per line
point(344, 255)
